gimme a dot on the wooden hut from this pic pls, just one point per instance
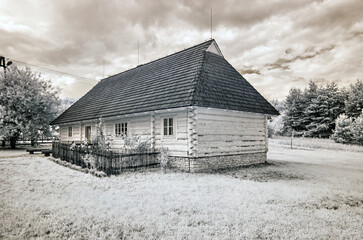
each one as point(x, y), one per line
point(192, 102)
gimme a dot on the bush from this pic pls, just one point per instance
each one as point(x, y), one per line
point(342, 132)
point(357, 130)
point(164, 158)
point(136, 143)
point(275, 125)
point(102, 138)
point(348, 130)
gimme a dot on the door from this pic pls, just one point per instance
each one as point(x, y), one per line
point(88, 133)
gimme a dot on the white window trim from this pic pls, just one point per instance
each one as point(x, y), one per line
point(70, 131)
point(175, 127)
point(114, 128)
point(85, 132)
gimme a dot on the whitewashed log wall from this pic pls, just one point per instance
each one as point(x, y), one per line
point(198, 131)
point(76, 133)
point(177, 144)
point(148, 126)
point(224, 132)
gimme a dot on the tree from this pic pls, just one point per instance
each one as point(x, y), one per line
point(354, 102)
point(27, 105)
point(294, 113)
point(322, 111)
point(310, 94)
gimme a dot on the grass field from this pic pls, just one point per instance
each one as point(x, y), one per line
point(298, 194)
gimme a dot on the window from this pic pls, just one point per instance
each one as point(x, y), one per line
point(88, 133)
point(120, 129)
point(168, 127)
point(69, 131)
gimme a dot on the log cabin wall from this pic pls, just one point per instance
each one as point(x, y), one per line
point(64, 133)
point(147, 125)
point(177, 143)
point(220, 139)
point(203, 139)
point(226, 132)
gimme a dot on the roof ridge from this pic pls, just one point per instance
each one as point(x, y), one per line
point(141, 65)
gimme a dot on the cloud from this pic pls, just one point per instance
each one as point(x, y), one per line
point(276, 44)
point(249, 70)
point(311, 52)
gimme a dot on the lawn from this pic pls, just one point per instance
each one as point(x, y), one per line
point(299, 194)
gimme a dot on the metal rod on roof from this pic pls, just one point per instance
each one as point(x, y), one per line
point(138, 53)
point(211, 23)
point(103, 64)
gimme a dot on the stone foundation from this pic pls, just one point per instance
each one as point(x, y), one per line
point(205, 164)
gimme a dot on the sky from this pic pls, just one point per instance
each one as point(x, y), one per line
point(274, 44)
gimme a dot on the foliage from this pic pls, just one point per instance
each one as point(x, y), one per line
point(357, 130)
point(164, 158)
point(102, 138)
point(322, 110)
point(342, 132)
point(136, 143)
point(295, 105)
point(275, 125)
point(90, 160)
point(278, 105)
point(312, 112)
point(27, 105)
point(354, 101)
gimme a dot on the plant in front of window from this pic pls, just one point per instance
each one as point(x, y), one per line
point(136, 143)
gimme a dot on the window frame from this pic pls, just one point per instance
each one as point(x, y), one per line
point(70, 131)
point(89, 137)
point(121, 129)
point(168, 126)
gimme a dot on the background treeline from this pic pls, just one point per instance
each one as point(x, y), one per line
point(321, 112)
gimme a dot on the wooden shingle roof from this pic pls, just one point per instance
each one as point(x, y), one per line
point(192, 77)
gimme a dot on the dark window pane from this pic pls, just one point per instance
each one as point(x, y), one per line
point(165, 131)
point(170, 130)
point(165, 122)
point(170, 122)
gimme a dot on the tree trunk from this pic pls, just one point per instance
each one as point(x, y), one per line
point(3, 142)
point(13, 142)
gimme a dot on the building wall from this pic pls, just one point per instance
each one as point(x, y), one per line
point(226, 132)
point(203, 138)
point(178, 143)
point(148, 126)
point(76, 133)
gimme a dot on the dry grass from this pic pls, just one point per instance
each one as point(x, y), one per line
point(299, 195)
point(313, 143)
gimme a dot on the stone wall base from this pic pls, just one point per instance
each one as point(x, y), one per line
point(205, 164)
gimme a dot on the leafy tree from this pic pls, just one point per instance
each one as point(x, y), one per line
point(27, 105)
point(354, 102)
